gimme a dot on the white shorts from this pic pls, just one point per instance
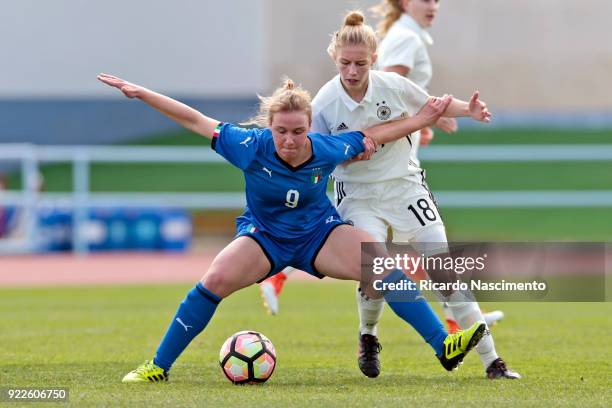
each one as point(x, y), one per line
point(408, 208)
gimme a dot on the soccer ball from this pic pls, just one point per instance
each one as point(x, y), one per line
point(247, 357)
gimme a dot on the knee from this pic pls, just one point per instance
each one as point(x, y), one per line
point(217, 283)
point(367, 291)
point(355, 273)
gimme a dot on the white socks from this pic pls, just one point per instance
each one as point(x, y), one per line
point(467, 312)
point(369, 312)
point(448, 313)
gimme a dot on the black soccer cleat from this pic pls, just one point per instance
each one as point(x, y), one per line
point(368, 357)
point(498, 369)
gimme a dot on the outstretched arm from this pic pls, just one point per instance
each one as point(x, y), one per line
point(175, 110)
point(427, 116)
point(475, 108)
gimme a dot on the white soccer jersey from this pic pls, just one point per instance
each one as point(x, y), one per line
point(389, 97)
point(406, 44)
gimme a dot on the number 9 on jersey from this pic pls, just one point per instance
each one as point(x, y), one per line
point(293, 196)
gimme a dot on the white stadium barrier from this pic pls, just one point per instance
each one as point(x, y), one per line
point(31, 156)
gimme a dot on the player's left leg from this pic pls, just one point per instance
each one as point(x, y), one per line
point(340, 258)
point(465, 309)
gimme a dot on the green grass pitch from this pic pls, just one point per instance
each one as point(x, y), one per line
point(86, 339)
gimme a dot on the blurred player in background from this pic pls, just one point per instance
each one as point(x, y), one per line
point(360, 97)
point(403, 50)
point(14, 219)
point(288, 221)
point(5, 212)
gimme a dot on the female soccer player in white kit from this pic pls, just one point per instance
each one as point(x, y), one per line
point(359, 97)
point(370, 97)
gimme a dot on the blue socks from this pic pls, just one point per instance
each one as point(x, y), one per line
point(191, 318)
point(411, 306)
point(200, 304)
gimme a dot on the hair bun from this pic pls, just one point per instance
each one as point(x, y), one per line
point(289, 84)
point(354, 18)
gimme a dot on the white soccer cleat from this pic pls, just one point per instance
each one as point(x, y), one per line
point(270, 298)
point(493, 317)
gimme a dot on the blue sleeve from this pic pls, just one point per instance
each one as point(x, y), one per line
point(237, 145)
point(345, 146)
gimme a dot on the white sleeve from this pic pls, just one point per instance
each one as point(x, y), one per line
point(414, 95)
point(319, 124)
point(399, 50)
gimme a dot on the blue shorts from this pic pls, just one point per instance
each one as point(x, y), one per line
point(299, 253)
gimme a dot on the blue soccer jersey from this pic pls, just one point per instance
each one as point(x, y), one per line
point(285, 201)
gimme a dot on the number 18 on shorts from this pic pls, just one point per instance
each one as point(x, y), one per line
point(424, 211)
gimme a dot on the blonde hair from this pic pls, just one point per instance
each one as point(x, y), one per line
point(353, 31)
point(286, 98)
point(390, 11)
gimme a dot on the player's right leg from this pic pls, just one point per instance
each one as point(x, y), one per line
point(240, 264)
point(359, 213)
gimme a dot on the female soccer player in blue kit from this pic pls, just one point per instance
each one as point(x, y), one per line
point(289, 221)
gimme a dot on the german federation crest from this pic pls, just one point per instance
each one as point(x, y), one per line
point(383, 112)
point(316, 176)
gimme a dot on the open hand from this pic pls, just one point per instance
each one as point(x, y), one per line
point(130, 90)
point(478, 109)
point(447, 125)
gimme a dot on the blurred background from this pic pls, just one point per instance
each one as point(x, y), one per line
point(541, 171)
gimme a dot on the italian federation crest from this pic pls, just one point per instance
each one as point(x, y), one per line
point(316, 176)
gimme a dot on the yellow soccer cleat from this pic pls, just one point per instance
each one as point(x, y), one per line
point(146, 372)
point(457, 345)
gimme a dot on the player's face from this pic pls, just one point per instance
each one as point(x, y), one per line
point(354, 63)
point(290, 130)
point(423, 11)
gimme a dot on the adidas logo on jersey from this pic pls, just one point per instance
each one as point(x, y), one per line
point(342, 126)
